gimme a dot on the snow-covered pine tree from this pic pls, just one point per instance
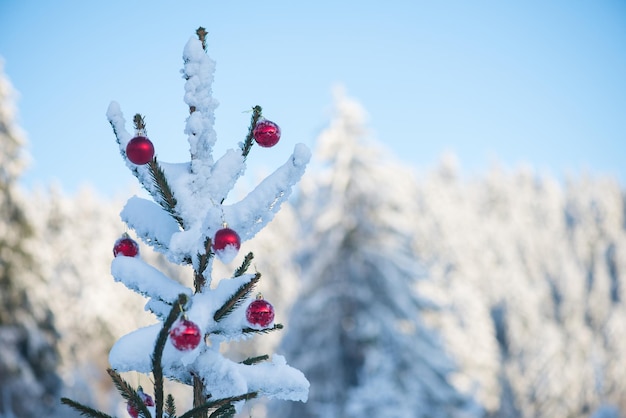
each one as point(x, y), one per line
point(189, 222)
point(70, 229)
point(28, 356)
point(530, 272)
point(356, 329)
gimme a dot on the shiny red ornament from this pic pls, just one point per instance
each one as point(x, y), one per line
point(140, 150)
point(125, 246)
point(260, 312)
point(185, 335)
point(147, 400)
point(226, 244)
point(266, 133)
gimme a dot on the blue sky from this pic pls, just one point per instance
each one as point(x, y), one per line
point(535, 82)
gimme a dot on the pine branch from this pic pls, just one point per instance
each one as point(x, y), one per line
point(170, 407)
point(199, 398)
point(217, 404)
point(203, 263)
point(163, 193)
point(224, 412)
point(237, 298)
point(140, 124)
point(157, 355)
point(197, 411)
point(256, 115)
point(202, 33)
point(167, 199)
point(84, 410)
point(129, 393)
point(119, 141)
point(248, 330)
point(117, 136)
point(254, 360)
point(245, 265)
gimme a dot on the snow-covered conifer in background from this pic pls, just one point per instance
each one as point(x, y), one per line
point(530, 274)
point(28, 338)
point(356, 328)
point(70, 229)
point(185, 220)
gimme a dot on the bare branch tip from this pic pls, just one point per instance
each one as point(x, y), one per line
point(202, 33)
point(139, 121)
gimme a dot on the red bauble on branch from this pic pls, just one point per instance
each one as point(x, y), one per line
point(185, 335)
point(147, 400)
point(125, 246)
point(226, 244)
point(140, 150)
point(260, 312)
point(266, 133)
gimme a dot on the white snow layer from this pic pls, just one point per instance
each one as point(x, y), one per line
point(222, 377)
point(146, 280)
point(149, 221)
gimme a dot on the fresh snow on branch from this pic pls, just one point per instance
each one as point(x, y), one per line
point(145, 279)
point(150, 222)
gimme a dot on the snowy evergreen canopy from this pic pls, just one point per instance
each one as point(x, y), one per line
point(28, 356)
point(356, 329)
point(531, 273)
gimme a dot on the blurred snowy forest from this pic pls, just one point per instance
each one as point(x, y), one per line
point(403, 293)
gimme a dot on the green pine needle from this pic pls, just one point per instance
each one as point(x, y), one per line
point(224, 412)
point(170, 407)
point(203, 263)
point(129, 393)
point(254, 360)
point(117, 138)
point(248, 330)
point(157, 355)
point(244, 265)
point(84, 410)
point(165, 194)
point(192, 413)
point(237, 298)
point(256, 115)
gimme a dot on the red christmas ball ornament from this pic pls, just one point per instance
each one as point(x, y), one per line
point(185, 335)
point(147, 400)
point(226, 244)
point(140, 150)
point(260, 312)
point(266, 133)
point(125, 246)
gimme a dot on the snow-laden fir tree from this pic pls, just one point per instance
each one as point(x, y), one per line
point(356, 329)
point(70, 229)
point(28, 338)
point(531, 271)
point(186, 210)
